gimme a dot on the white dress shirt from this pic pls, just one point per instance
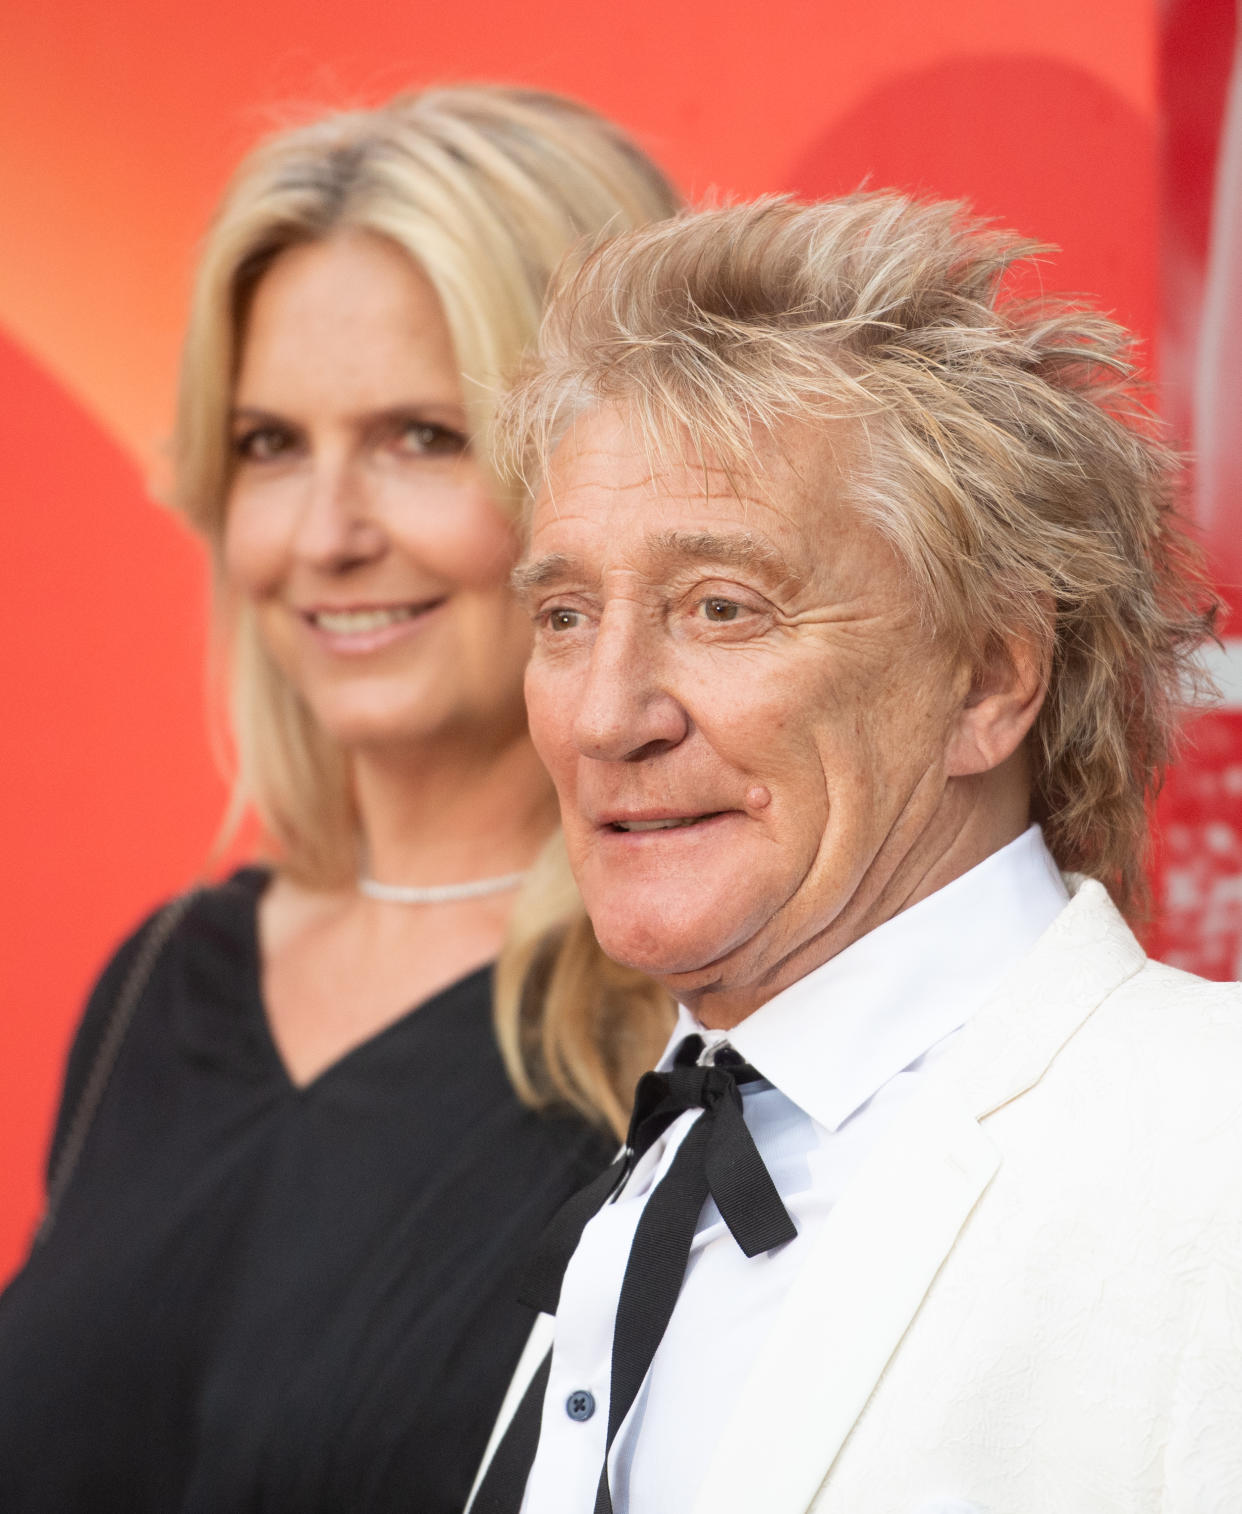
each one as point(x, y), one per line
point(840, 1052)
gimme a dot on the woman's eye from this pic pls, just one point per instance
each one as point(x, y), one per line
point(426, 439)
point(720, 610)
point(262, 443)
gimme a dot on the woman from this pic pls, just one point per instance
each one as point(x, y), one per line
point(282, 1246)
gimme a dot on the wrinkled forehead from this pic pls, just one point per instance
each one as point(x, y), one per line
point(614, 490)
point(618, 453)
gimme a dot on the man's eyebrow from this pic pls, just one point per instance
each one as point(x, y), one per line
point(732, 549)
point(543, 571)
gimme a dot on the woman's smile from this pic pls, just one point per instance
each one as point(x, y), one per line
point(359, 630)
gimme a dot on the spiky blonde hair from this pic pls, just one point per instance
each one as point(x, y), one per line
point(1007, 454)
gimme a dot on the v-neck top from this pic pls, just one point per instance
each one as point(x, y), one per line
point(260, 1296)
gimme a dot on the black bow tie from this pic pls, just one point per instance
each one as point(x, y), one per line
point(717, 1156)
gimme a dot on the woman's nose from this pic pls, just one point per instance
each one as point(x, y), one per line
point(338, 524)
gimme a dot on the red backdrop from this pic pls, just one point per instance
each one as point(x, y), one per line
point(118, 126)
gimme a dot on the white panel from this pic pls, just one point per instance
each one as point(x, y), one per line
point(1224, 663)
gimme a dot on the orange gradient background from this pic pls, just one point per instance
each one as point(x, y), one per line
point(118, 127)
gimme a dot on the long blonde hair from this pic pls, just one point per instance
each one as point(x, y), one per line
point(486, 189)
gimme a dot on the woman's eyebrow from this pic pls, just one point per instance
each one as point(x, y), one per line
point(437, 412)
point(251, 413)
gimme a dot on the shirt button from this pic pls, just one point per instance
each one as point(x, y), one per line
point(580, 1404)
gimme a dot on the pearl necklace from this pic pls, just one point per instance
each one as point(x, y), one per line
point(442, 893)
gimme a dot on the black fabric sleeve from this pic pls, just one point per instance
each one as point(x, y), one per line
point(90, 1033)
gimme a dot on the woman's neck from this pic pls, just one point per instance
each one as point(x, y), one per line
point(454, 813)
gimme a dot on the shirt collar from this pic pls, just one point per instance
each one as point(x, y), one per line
point(833, 1039)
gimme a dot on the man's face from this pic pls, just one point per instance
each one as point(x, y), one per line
point(750, 729)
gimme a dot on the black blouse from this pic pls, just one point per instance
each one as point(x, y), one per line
point(265, 1297)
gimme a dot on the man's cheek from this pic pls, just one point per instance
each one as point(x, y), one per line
point(540, 713)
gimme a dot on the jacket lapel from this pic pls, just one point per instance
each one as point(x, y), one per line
point(889, 1234)
point(852, 1301)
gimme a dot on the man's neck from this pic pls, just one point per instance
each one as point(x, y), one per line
point(726, 993)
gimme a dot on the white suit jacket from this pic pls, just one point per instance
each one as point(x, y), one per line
point(1029, 1299)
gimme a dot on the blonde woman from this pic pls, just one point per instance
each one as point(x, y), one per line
point(291, 1192)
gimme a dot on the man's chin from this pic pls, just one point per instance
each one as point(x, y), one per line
point(680, 959)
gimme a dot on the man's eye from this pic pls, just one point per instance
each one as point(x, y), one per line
point(720, 610)
point(429, 440)
point(562, 620)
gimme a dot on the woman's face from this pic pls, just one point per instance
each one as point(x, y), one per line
point(359, 526)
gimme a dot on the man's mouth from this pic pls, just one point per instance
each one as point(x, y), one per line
point(673, 823)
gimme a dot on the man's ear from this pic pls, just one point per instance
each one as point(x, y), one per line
point(1006, 693)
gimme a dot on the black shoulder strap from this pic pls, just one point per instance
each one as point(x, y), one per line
point(96, 1084)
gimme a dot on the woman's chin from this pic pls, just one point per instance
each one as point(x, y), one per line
point(374, 726)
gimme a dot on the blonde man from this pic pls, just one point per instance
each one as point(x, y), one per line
point(863, 624)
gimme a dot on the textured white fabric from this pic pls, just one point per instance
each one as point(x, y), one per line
point(1061, 1329)
point(1029, 1299)
point(843, 1051)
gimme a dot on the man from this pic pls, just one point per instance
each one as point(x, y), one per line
point(862, 628)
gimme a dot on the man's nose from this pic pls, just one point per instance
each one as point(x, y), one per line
point(338, 524)
point(628, 709)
